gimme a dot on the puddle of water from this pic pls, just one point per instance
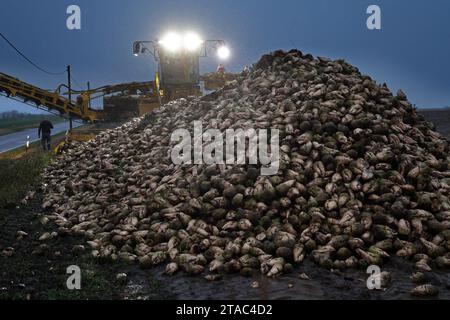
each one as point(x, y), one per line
point(323, 284)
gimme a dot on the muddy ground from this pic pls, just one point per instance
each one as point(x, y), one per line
point(37, 270)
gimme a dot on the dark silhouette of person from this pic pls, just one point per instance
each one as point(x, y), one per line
point(45, 128)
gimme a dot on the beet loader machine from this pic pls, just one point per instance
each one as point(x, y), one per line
point(177, 76)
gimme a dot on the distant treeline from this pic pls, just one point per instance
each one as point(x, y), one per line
point(13, 121)
point(13, 114)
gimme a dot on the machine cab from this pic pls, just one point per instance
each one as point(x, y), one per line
point(180, 68)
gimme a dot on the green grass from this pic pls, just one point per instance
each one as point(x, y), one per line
point(15, 296)
point(21, 175)
point(93, 285)
point(25, 122)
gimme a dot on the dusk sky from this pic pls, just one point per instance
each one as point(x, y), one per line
point(411, 51)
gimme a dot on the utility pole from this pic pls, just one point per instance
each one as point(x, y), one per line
point(89, 88)
point(69, 85)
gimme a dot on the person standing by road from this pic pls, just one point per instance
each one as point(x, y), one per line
point(45, 128)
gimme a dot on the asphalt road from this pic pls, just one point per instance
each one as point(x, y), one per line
point(18, 139)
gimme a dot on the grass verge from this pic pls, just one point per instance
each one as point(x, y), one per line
point(18, 176)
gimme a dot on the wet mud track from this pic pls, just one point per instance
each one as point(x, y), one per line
point(37, 270)
point(322, 284)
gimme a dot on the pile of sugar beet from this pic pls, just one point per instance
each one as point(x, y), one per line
point(362, 177)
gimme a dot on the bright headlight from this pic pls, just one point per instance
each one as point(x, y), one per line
point(192, 42)
point(171, 41)
point(223, 52)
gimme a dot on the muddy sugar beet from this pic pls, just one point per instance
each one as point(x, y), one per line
point(361, 178)
point(213, 153)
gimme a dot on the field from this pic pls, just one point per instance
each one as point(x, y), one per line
point(440, 118)
point(25, 122)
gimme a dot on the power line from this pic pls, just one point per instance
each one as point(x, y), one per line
point(30, 61)
point(38, 67)
point(76, 82)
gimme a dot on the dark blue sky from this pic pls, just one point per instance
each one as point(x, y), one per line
point(411, 51)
